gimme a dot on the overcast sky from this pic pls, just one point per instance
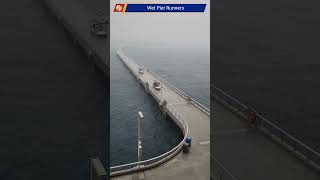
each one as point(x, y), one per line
point(188, 29)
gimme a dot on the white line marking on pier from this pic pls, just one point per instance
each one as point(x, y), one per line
point(232, 131)
point(183, 103)
point(204, 142)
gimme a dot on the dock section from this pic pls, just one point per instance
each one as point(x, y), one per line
point(190, 116)
point(257, 150)
point(77, 20)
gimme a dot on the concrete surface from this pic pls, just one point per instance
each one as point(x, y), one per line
point(250, 155)
point(79, 19)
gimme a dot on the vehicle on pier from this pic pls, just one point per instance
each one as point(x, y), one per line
point(99, 27)
point(156, 85)
point(141, 69)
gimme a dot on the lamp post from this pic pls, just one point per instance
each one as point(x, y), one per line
point(161, 94)
point(140, 116)
point(161, 91)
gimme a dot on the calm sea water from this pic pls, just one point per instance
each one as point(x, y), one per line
point(266, 53)
point(188, 70)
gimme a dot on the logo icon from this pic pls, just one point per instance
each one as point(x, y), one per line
point(119, 8)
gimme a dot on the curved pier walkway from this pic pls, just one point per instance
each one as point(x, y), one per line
point(195, 164)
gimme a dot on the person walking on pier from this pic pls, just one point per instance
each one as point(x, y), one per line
point(252, 116)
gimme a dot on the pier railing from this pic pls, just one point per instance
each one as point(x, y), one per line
point(149, 163)
point(219, 171)
point(182, 94)
point(174, 88)
point(82, 38)
point(295, 146)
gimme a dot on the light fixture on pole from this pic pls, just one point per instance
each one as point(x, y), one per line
point(140, 116)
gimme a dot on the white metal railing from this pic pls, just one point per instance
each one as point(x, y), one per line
point(182, 94)
point(137, 166)
point(220, 172)
point(172, 87)
point(269, 128)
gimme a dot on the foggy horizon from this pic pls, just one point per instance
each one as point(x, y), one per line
point(182, 29)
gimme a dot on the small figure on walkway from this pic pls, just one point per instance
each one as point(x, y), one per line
point(189, 99)
point(252, 116)
point(188, 140)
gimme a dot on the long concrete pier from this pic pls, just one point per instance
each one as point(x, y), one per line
point(77, 19)
point(190, 116)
